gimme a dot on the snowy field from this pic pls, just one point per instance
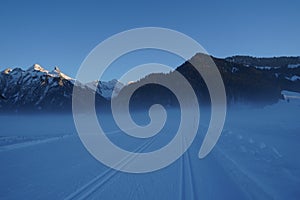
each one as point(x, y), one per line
point(256, 157)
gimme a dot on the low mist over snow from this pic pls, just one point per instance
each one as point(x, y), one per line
point(255, 157)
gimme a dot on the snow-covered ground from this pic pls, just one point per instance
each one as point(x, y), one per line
point(256, 157)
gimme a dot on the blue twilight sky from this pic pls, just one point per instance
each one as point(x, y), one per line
point(62, 33)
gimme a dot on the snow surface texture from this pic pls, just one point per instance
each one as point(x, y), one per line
point(256, 158)
point(294, 66)
point(293, 78)
point(266, 67)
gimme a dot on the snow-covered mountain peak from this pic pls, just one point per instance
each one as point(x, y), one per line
point(113, 83)
point(57, 73)
point(56, 69)
point(7, 71)
point(106, 88)
point(37, 67)
point(130, 82)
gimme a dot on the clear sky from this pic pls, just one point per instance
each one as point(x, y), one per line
point(62, 33)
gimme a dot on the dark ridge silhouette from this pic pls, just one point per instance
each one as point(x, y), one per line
point(243, 84)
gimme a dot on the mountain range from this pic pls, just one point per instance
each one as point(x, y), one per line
point(37, 89)
point(247, 80)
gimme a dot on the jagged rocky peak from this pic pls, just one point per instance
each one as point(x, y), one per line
point(7, 71)
point(56, 69)
point(106, 88)
point(37, 67)
point(57, 72)
point(114, 82)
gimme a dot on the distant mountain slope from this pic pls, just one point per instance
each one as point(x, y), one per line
point(106, 88)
